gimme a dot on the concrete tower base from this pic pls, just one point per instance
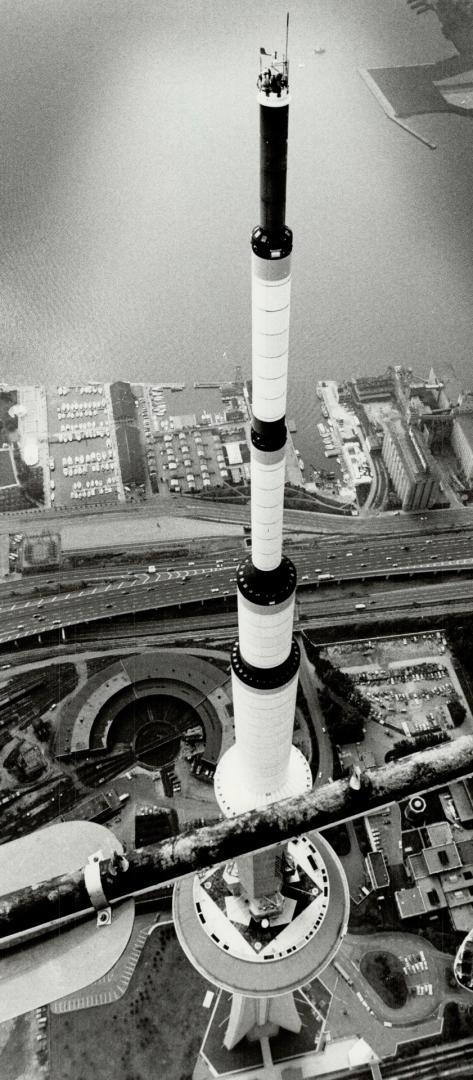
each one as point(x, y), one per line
point(256, 1017)
point(234, 797)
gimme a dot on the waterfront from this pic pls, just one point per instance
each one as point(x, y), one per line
point(126, 199)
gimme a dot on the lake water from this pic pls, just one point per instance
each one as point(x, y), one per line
point(129, 187)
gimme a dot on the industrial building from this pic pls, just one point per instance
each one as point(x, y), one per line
point(406, 462)
point(462, 443)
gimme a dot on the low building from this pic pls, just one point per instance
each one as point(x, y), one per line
point(443, 876)
point(98, 808)
point(41, 552)
point(155, 823)
point(377, 869)
point(441, 858)
point(439, 833)
point(26, 761)
point(410, 902)
point(383, 830)
point(461, 792)
point(30, 763)
point(357, 464)
point(233, 451)
point(375, 387)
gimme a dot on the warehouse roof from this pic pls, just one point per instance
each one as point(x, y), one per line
point(130, 454)
point(123, 401)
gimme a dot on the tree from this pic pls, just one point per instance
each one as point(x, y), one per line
point(417, 742)
point(456, 19)
point(457, 711)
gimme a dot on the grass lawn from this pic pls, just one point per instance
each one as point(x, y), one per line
point(17, 1049)
point(384, 972)
point(154, 1030)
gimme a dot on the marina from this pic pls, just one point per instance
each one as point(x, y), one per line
point(102, 443)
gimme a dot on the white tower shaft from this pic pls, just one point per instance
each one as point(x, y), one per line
point(266, 923)
point(263, 765)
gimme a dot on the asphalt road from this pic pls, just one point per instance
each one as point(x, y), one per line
point(320, 563)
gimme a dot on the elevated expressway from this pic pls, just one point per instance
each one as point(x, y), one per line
point(411, 570)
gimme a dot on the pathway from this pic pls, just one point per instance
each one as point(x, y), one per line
point(308, 683)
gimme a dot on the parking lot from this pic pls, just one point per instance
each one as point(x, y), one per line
point(416, 970)
point(409, 682)
point(191, 460)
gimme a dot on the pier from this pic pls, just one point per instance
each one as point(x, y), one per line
point(390, 111)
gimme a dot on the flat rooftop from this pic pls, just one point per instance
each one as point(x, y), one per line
point(406, 91)
point(410, 902)
point(439, 859)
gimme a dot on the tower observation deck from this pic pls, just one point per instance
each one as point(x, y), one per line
point(267, 923)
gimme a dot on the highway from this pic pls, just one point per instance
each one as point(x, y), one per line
point(341, 558)
point(322, 564)
point(329, 612)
